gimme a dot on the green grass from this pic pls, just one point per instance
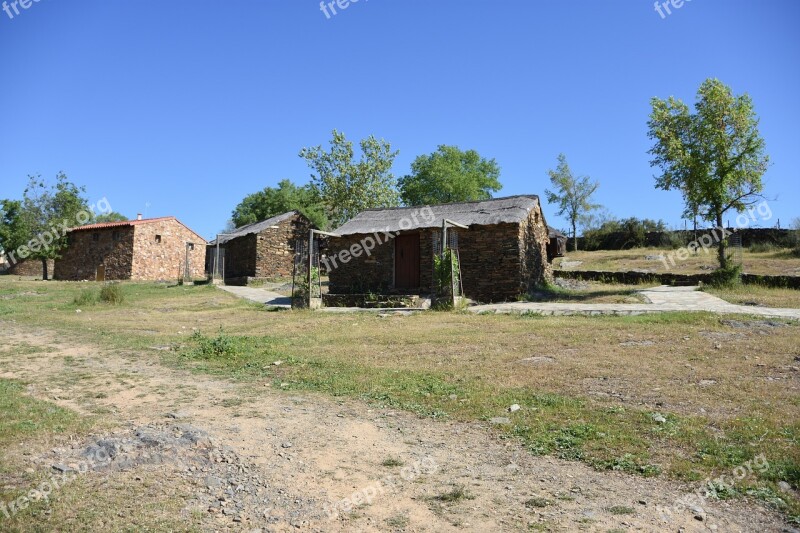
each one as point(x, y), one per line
point(24, 417)
point(417, 364)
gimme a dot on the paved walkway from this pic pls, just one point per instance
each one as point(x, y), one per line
point(664, 298)
point(258, 295)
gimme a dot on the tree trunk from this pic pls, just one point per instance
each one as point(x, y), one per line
point(722, 249)
point(44, 268)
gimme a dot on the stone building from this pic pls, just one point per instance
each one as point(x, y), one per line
point(260, 251)
point(151, 249)
point(502, 254)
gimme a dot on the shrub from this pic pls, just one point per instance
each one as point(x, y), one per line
point(763, 247)
point(112, 294)
point(220, 347)
point(726, 277)
point(86, 297)
point(446, 272)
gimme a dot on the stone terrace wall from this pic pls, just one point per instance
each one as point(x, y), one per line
point(81, 259)
point(30, 267)
point(156, 261)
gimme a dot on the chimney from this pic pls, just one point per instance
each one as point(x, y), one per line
point(138, 216)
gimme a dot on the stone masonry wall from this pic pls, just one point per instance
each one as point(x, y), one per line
point(153, 260)
point(30, 267)
point(89, 249)
point(268, 254)
point(275, 247)
point(534, 238)
point(490, 262)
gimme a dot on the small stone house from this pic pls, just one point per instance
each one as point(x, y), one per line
point(260, 251)
point(502, 254)
point(153, 249)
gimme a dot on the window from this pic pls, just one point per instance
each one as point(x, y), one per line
point(95, 237)
point(158, 239)
point(115, 235)
point(190, 246)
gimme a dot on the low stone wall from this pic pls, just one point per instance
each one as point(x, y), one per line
point(633, 277)
point(30, 268)
point(369, 301)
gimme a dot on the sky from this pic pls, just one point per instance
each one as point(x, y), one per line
point(183, 108)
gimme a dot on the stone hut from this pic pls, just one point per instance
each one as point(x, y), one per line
point(260, 251)
point(151, 249)
point(557, 247)
point(502, 254)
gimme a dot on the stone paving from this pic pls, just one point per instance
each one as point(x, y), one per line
point(662, 299)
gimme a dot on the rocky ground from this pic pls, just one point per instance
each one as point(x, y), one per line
point(259, 459)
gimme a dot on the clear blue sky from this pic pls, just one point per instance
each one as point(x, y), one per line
point(189, 106)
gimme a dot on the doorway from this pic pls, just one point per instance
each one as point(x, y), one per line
point(406, 261)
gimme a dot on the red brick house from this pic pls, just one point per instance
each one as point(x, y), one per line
point(151, 249)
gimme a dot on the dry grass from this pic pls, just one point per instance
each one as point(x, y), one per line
point(757, 295)
point(588, 386)
point(779, 262)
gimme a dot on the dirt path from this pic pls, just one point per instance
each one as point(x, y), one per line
point(264, 459)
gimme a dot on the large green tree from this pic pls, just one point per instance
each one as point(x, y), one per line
point(450, 175)
point(348, 186)
point(715, 156)
point(272, 201)
point(571, 194)
point(36, 226)
point(112, 216)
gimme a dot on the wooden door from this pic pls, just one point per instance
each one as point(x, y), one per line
point(101, 273)
point(406, 261)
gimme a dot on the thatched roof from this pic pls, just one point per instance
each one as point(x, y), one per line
point(512, 209)
point(256, 227)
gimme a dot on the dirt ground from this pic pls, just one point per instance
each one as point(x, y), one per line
point(273, 461)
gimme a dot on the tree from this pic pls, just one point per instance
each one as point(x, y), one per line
point(347, 187)
point(450, 175)
point(36, 226)
point(572, 195)
point(273, 201)
point(112, 216)
point(715, 156)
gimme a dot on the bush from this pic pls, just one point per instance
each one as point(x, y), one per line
point(112, 294)
point(86, 297)
point(763, 247)
point(220, 347)
point(727, 277)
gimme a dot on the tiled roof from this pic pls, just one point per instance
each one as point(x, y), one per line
point(122, 223)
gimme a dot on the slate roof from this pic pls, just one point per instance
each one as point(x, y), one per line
point(256, 227)
point(511, 209)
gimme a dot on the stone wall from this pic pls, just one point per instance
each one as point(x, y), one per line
point(534, 238)
point(633, 277)
point(89, 249)
point(164, 260)
point(30, 268)
point(268, 254)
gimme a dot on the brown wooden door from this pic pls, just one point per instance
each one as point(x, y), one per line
point(101, 273)
point(406, 261)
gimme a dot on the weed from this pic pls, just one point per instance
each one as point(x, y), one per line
point(392, 462)
point(457, 493)
point(85, 298)
point(112, 294)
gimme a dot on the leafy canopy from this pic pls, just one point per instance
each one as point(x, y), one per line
point(571, 194)
point(715, 156)
point(450, 175)
point(347, 186)
point(273, 201)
